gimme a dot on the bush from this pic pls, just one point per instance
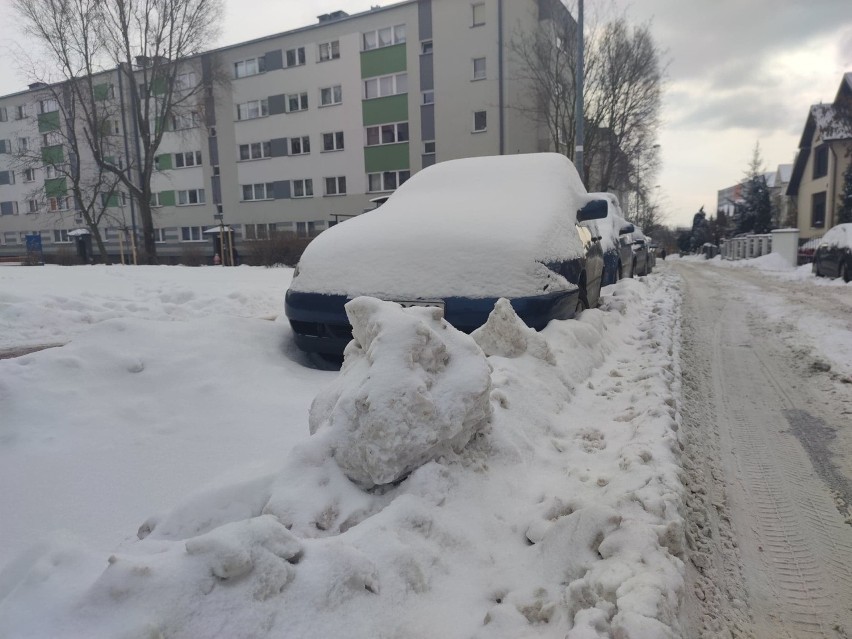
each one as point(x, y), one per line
point(192, 256)
point(63, 256)
point(282, 249)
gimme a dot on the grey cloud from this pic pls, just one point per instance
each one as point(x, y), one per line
point(753, 110)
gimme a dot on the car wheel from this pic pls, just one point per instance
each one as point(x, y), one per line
point(582, 304)
point(620, 272)
point(815, 268)
point(633, 269)
point(844, 272)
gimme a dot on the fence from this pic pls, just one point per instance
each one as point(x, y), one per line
point(746, 247)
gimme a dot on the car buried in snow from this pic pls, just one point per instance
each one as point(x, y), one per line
point(833, 256)
point(459, 235)
point(615, 237)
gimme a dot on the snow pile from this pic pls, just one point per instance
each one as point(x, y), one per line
point(559, 519)
point(412, 388)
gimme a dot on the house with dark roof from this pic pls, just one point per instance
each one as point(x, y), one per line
point(825, 151)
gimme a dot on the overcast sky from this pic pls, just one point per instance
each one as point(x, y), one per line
point(740, 71)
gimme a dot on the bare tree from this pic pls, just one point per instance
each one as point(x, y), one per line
point(61, 28)
point(623, 108)
point(623, 78)
point(150, 47)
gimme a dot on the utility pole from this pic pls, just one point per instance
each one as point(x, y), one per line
point(578, 110)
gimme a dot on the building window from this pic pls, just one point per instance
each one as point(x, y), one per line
point(303, 188)
point(155, 200)
point(332, 141)
point(5, 146)
point(329, 50)
point(20, 111)
point(258, 191)
point(259, 231)
point(60, 236)
point(185, 121)
point(184, 81)
point(386, 181)
point(428, 97)
point(294, 57)
point(58, 203)
point(429, 148)
point(297, 102)
point(383, 37)
point(9, 208)
point(252, 66)
point(160, 236)
point(300, 145)
point(33, 206)
point(252, 109)
point(331, 95)
point(335, 185)
point(255, 151)
point(479, 68)
point(818, 210)
point(187, 159)
point(480, 121)
point(387, 134)
point(386, 85)
point(191, 234)
point(49, 172)
point(23, 145)
point(4, 116)
point(821, 161)
point(477, 10)
point(426, 47)
point(48, 106)
point(52, 138)
point(29, 175)
point(190, 197)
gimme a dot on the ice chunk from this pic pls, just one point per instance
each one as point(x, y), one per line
point(506, 335)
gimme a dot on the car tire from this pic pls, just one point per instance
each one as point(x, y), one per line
point(633, 269)
point(845, 272)
point(582, 304)
point(620, 272)
point(815, 268)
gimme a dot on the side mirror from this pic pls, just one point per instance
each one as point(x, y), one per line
point(594, 210)
point(627, 228)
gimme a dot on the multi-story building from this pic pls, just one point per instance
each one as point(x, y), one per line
point(307, 129)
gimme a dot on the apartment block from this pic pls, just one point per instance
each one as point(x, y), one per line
point(298, 131)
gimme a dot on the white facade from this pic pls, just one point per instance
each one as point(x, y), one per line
point(446, 90)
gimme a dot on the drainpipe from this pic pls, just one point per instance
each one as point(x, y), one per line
point(500, 74)
point(578, 108)
point(127, 153)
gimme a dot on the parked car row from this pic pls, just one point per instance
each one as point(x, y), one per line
point(460, 235)
point(833, 255)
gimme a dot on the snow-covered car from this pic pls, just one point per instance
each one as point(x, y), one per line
point(615, 241)
point(460, 235)
point(833, 256)
point(642, 259)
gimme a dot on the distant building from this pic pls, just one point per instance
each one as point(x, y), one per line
point(817, 178)
point(313, 125)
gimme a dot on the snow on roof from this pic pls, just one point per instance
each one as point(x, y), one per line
point(830, 123)
point(785, 171)
point(476, 227)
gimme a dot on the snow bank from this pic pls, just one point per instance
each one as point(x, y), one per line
point(412, 388)
point(560, 519)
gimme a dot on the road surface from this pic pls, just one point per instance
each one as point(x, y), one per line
point(767, 440)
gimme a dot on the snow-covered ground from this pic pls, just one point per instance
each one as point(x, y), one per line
point(177, 469)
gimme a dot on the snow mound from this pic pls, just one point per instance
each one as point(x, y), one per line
point(506, 335)
point(412, 389)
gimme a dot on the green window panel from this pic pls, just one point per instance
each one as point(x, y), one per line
point(158, 86)
point(48, 121)
point(55, 187)
point(101, 91)
point(383, 61)
point(167, 198)
point(164, 162)
point(112, 200)
point(52, 154)
point(388, 157)
point(393, 108)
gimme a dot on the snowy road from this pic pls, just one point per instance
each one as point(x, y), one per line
point(767, 410)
